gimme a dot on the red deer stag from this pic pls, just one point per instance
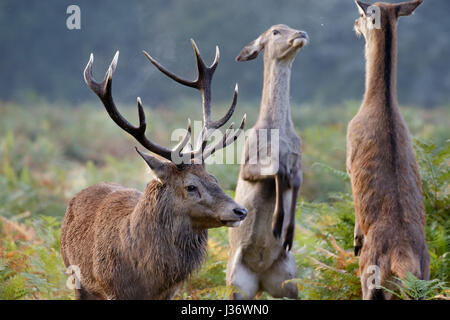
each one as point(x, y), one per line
point(133, 245)
point(390, 214)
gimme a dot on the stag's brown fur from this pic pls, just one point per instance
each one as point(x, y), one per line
point(390, 214)
point(133, 245)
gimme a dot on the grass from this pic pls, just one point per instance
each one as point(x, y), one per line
point(50, 152)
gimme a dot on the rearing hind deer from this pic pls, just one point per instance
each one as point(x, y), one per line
point(260, 256)
point(133, 245)
point(390, 214)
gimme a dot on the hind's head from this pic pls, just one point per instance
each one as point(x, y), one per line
point(381, 16)
point(279, 42)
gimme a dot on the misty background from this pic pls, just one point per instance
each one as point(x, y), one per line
point(56, 138)
point(40, 59)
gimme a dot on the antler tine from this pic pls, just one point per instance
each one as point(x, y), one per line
point(204, 78)
point(219, 145)
point(227, 139)
point(216, 58)
point(206, 90)
point(103, 91)
point(180, 146)
point(201, 66)
point(203, 81)
point(99, 88)
point(219, 123)
point(200, 63)
point(192, 84)
point(203, 84)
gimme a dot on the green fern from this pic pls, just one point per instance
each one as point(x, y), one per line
point(335, 172)
point(412, 288)
point(435, 175)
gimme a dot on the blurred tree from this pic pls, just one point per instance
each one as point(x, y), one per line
point(40, 57)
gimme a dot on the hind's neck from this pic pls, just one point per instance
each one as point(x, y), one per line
point(275, 111)
point(381, 68)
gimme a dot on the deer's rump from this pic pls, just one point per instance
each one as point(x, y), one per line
point(395, 251)
point(95, 212)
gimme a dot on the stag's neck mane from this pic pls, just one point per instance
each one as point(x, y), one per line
point(175, 249)
point(275, 111)
point(381, 68)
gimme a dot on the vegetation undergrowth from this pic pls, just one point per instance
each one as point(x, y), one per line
point(48, 153)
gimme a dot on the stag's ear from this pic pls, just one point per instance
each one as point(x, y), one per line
point(362, 7)
point(159, 168)
point(406, 8)
point(251, 51)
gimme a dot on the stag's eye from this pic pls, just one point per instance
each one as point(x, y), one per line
point(191, 188)
point(275, 32)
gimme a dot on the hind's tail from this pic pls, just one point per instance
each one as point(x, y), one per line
point(377, 270)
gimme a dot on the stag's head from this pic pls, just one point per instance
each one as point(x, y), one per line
point(380, 16)
point(279, 42)
point(195, 193)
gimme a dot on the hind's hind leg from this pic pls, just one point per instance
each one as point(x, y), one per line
point(242, 278)
point(425, 264)
point(273, 280)
point(371, 282)
point(372, 268)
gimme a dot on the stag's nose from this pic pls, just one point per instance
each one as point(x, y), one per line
point(240, 212)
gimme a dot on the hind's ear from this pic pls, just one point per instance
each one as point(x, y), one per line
point(406, 8)
point(362, 7)
point(251, 51)
point(159, 168)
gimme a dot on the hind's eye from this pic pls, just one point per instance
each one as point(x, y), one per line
point(275, 32)
point(191, 188)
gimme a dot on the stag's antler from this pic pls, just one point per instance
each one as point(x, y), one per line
point(203, 84)
point(103, 91)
